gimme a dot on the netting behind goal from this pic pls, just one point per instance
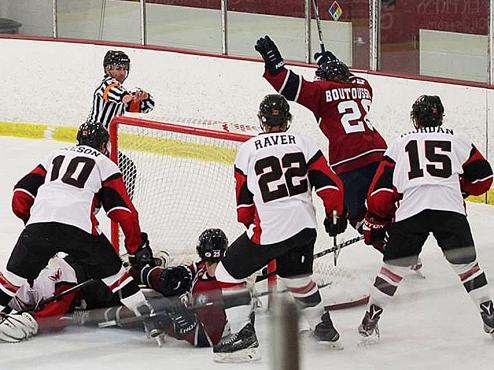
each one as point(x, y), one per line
point(181, 181)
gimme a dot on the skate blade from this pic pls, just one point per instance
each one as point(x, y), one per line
point(335, 346)
point(244, 355)
point(371, 340)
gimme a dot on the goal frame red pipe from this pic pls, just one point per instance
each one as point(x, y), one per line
point(189, 130)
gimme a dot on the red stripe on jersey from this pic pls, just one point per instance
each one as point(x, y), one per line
point(7, 284)
point(127, 216)
point(246, 214)
point(256, 237)
point(21, 204)
point(382, 195)
point(39, 170)
point(394, 277)
point(225, 285)
point(120, 282)
point(332, 197)
point(48, 317)
point(475, 268)
point(245, 200)
point(303, 290)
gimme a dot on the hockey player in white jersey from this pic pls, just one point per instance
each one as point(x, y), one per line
point(57, 202)
point(418, 189)
point(275, 173)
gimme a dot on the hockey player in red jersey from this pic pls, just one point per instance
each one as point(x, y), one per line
point(340, 103)
point(196, 285)
point(57, 201)
point(275, 173)
point(417, 190)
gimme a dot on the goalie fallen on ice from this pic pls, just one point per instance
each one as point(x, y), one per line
point(195, 284)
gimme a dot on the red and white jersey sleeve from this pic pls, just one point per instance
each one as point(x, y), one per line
point(78, 178)
point(275, 174)
point(25, 191)
point(44, 286)
point(341, 110)
point(428, 169)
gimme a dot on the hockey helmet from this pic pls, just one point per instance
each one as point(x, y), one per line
point(427, 111)
point(116, 57)
point(212, 245)
point(92, 134)
point(333, 70)
point(274, 111)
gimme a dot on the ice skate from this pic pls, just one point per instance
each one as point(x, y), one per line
point(238, 347)
point(417, 268)
point(369, 328)
point(487, 315)
point(326, 333)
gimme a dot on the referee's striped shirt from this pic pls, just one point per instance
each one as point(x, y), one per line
point(107, 102)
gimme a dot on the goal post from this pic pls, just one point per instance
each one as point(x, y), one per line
point(181, 181)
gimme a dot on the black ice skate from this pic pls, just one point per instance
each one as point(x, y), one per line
point(487, 314)
point(153, 324)
point(238, 347)
point(369, 328)
point(326, 333)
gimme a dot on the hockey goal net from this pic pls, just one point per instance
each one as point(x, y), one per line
point(180, 178)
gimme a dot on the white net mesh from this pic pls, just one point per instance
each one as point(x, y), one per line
point(182, 183)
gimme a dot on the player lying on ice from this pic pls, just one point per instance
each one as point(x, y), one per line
point(195, 284)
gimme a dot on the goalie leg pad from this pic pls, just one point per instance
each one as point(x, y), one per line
point(15, 328)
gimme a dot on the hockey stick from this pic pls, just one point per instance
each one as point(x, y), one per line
point(335, 242)
point(230, 299)
point(318, 23)
point(57, 296)
point(319, 254)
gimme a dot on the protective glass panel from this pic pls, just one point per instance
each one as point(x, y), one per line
point(26, 17)
point(99, 20)
point(187, 24)
point(435, 38)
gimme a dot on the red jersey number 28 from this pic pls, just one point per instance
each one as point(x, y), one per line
point(354, 115)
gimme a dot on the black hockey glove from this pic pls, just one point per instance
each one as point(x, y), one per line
point(175, 281)
point(374, 230)
point(333, 228)
point(144, 256)
point(184, 321)
point(322, 58)
point(269, 51)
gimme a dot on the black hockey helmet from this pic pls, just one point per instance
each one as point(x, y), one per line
point(274, 111)
point(333, 70)
point(427, 111)
point(92, 134)
point(116, 57)
point(212, 245)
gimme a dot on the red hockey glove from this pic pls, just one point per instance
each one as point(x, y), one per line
point(375, 231)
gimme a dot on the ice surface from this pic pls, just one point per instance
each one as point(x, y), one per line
point(431, 324)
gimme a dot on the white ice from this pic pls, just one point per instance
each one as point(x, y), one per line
point(431, 324)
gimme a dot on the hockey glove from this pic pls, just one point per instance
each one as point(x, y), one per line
point(333, 228)
point(17, 327)
point(322, 58)
point(183, 322)
point(144, 256)
point(269, 51)
point(175, 281)
point(375, 231)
